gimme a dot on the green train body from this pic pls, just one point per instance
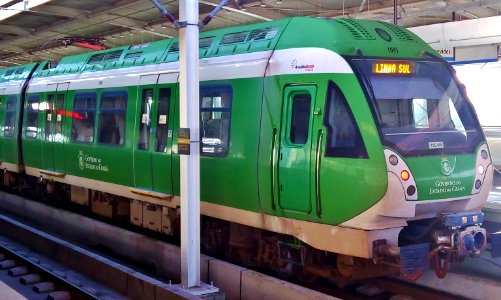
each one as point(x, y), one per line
point(339, 133)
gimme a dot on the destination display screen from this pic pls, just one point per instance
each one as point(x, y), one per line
point(393, 67)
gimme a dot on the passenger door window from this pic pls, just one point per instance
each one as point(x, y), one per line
point(300, 119)
point(145, 125)
point(162, 122)
point(32, 117)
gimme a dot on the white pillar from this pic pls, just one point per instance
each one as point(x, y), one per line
point(190, 164)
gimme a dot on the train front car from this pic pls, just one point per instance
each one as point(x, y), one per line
point(400, 168)
point(438, 164)
point(439, 167)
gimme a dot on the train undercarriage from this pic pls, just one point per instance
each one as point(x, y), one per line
point(283, 254)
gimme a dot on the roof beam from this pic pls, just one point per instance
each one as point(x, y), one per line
point(119, 21)
point(62, 11)
point(15, 30)
point(375, 9)
point(234, 8)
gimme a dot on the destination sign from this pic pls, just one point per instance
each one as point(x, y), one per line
point(393, 67)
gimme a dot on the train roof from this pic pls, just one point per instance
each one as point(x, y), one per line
point(344, 36)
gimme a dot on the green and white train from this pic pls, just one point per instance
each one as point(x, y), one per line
point(331, 147)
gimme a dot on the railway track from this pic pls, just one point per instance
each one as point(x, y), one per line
point(46, 279)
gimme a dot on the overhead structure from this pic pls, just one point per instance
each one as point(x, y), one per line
point(25, 33)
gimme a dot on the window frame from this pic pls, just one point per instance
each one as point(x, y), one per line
point(358, 150)
point(158, 146)
point(34, 112)
point(14, 111)
point(148, 124)
point(215, 91)
point(106, 111)
point(87, 109)
point(292, 99)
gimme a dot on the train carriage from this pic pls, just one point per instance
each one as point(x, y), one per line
point(320, 154)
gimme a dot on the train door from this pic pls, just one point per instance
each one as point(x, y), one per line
point(152, 161)
point(53, 149)
point(294, 161)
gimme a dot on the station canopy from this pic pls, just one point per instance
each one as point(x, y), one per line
point(38, 30)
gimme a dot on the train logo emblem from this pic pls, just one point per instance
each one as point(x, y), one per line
point(81, 163)
point(447, 167)
point(305, 67)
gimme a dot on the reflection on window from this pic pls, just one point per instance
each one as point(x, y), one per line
point(343, 135)
point(10, 116)
point(300, 119)
point(163, 117)
point(32, 117)
point(409, 114)
point(145, 117)
point(420, 111)
point(83, 116)
point(112, 118)
point(215, 112)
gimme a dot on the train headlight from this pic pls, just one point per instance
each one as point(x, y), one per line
point(481, 169)
point(404, 175)
point(393, 160)
point(484, 154)
point(411, 190)
point(478, 184)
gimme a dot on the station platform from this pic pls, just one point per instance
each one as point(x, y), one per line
point(6, 292)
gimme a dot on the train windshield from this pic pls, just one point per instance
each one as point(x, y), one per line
point(418, 106)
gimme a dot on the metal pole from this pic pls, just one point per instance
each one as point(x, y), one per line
point(395, 12)
point(190, 164)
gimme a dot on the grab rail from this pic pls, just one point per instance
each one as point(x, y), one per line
point(317, 172)
point(273, 172)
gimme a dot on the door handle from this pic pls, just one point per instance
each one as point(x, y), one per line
point(317, 172)
point(273, 170)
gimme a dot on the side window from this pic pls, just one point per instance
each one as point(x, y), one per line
point(145, 117)
point(343, 135)
point(163, 117)
point(32, 117)
point(83, 116)
point(10, 116)
point(215, 113)
point(112, 118)
point(300, 118)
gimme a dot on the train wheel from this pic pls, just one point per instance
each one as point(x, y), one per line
point(285, 268)
point(345, 265)
point(215, 237)
point(307, 277)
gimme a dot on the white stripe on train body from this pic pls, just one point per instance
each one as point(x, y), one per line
point(250, 65)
